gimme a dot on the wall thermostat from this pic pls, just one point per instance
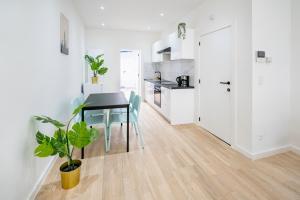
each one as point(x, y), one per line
point(261, 54)
point(261, 57)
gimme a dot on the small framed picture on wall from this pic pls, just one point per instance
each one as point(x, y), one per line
point(64, 35)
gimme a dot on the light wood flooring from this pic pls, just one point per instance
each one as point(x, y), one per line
point(178, 163)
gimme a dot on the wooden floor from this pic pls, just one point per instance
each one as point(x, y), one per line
point(181, 162)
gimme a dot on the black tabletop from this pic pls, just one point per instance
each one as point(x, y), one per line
point(105, 101)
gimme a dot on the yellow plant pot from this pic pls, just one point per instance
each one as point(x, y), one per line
point(72, 178)
point(95, 79)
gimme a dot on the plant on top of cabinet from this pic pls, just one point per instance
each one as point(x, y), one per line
point(181, 30)
point(96, 65)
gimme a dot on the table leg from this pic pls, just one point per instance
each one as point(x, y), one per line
point(82, 119)
point(127, 128)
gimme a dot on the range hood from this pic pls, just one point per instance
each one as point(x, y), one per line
point(165, 51)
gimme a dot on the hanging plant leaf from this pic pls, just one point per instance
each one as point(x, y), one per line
point(45, 119)
point(44, 150)
point(99, 56)
point(78, 109)
point(102, 70)
point(80, 136)
point(40, 137)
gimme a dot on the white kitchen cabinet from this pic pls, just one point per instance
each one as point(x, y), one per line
point(149, 92)
point(182, 49)
point(165, 102)
point(181, 108)
point(177, 105)
point(157, 46)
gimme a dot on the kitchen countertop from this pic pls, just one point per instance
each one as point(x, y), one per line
point(168, 84)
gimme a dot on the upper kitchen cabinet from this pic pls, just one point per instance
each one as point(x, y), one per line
point(182, 48)
point(157, 46)
point(174, 48)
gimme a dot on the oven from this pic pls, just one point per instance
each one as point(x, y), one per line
point(157, 95)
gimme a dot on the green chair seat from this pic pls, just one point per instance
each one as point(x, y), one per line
point(122, 118)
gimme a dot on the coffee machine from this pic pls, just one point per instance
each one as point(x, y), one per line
point(183, 81)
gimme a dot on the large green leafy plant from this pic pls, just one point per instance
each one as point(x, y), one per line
point(96, 64)
point(66, 135)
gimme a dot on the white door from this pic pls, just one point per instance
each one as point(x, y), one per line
point(216, 69)
point(130, 70)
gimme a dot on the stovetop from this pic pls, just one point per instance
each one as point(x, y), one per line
point(168, 84)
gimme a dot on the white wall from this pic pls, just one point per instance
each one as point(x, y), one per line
point(111, 42)
point(262, 90)
point(238, 14)
point(271, 28)
point(295, 74)
point(35, 79)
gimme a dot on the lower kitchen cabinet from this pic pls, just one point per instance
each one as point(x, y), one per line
point(180, 109)
point(177, 105)
point(165, 102)
point(149, 92)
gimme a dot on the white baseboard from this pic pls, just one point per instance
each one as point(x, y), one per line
point(271, 152)
point(243, 151)
point(41, 179)
point(263, 154)
point(267, 153)
point(295, 149)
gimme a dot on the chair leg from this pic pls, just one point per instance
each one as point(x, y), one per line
point(106, 132)
point(107, 118)
point(136, 126)
point(108, 139)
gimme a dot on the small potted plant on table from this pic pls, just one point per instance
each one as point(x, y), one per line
point(96, 65)
point(65, 138)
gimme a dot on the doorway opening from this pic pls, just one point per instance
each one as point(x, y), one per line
point(130, 62)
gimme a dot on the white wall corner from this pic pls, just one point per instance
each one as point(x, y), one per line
point(243, 151)
point(41, 179)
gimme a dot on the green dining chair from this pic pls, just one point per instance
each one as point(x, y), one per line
point(122, 118)
point(91, 118)
point(124, 110)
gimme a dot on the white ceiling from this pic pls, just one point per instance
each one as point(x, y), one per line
point(136, 15)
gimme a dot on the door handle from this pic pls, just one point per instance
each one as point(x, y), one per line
point(225, 83)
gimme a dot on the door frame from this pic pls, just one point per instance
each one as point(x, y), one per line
point(232, 26)
point(139, 85)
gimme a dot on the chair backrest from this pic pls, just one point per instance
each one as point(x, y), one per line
point(136, 105)
point(75, 103)
point(131, 98)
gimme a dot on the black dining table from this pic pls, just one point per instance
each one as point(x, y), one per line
point(103, 101)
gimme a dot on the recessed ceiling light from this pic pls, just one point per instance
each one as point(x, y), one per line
point(102, 24)
point(162, 14)
point(102, 7)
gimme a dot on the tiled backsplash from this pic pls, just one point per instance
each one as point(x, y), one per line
point(149, 69)
point(170, 70)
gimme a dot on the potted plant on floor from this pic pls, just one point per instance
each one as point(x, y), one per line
point(96, 65)
point(66, 136)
